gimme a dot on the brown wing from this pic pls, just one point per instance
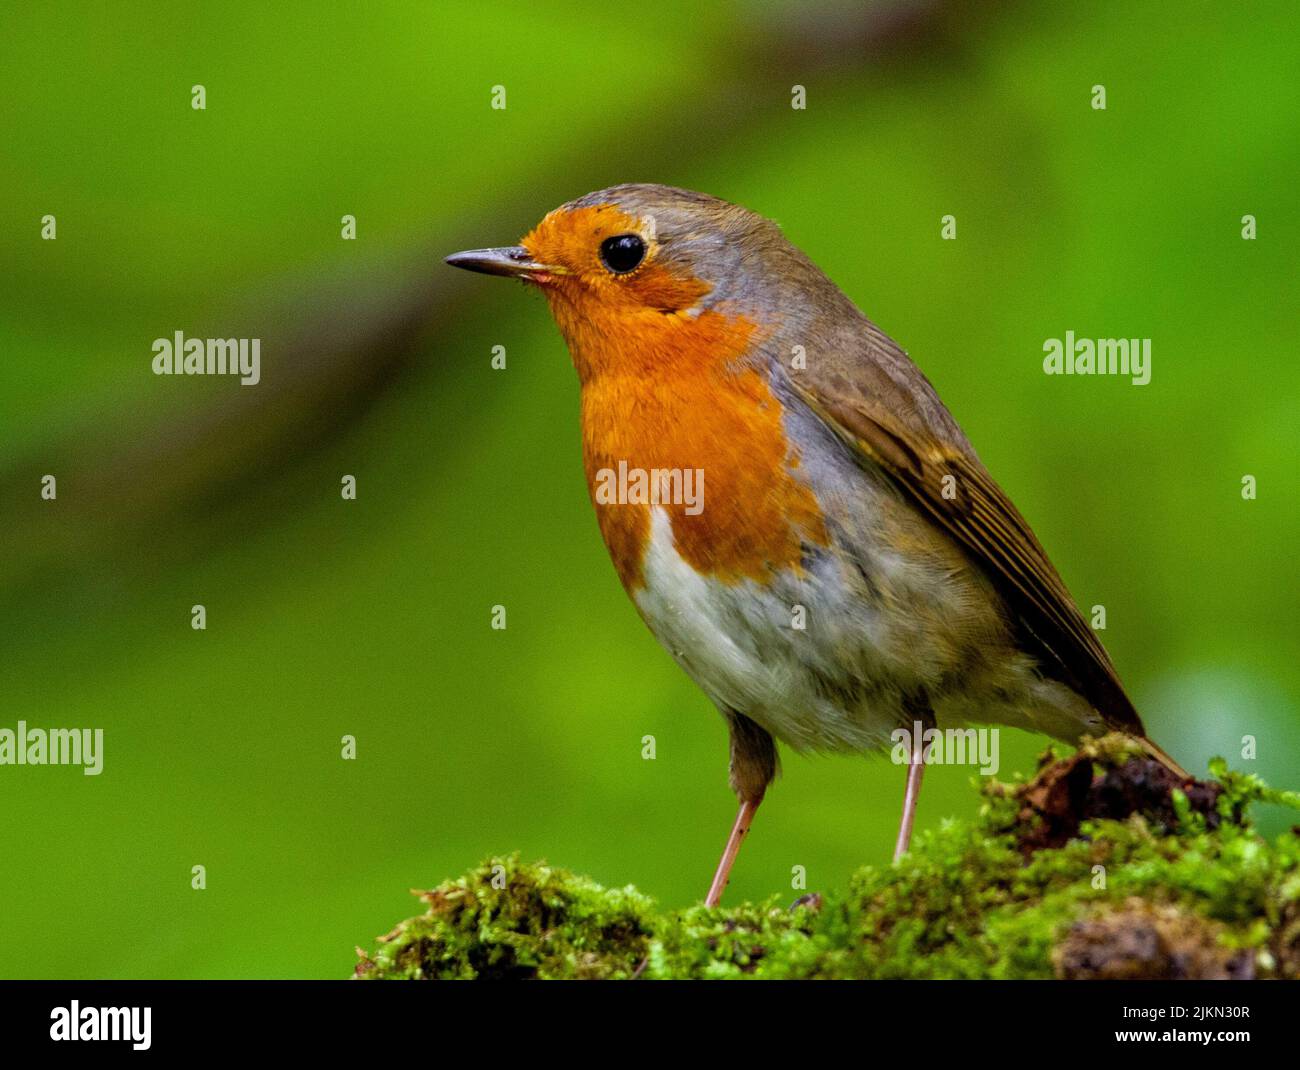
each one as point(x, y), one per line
point(884, 408)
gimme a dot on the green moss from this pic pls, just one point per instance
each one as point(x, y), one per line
point(1180, 886)
point(510, 920)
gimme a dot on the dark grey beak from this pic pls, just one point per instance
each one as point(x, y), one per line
point(511, 260)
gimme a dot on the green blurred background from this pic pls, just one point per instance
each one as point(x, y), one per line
point(371, 617)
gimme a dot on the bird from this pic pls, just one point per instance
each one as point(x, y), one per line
point(793, 511)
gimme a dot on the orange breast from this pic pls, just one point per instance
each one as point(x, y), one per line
point(673, 398)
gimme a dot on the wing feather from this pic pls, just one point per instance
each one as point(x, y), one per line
point(982, 519)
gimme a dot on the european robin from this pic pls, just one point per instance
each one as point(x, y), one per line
point(789, 505)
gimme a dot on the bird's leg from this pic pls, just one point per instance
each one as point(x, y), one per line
point(753, 765)
point(748, 807)
point(922, 720)
point(911, 793)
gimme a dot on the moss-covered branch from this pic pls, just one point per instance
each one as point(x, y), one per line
point(1101, 866)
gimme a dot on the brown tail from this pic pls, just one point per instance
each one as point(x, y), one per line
point(1159, 755)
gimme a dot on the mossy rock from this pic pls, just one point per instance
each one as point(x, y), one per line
point(1102, 866)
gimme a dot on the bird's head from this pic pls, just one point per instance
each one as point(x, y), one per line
point(635, 271)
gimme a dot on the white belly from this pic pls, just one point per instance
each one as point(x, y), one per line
point(840, 681)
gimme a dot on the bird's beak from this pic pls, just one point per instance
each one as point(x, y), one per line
point(511, 260)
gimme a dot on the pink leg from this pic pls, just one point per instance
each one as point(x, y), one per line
point(743, 820)
point(911, 794)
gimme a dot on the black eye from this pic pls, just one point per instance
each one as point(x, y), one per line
point(622, 253)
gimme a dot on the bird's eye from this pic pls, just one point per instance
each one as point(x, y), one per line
point(622, 253)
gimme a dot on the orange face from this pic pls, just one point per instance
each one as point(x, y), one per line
point(582, 242)
point(613, 296)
